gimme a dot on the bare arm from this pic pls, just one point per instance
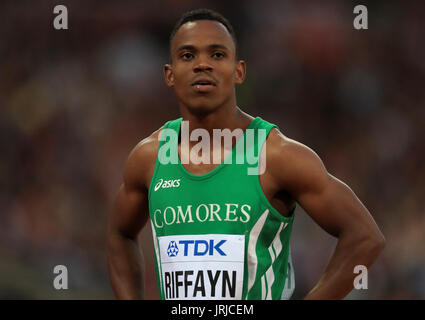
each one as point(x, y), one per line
point(335, 207)
point(128, 217)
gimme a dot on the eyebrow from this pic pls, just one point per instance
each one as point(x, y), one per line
point(193, 48)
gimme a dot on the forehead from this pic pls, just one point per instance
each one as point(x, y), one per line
point(202, 33)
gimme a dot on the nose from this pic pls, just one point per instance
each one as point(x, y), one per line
point(202, 66)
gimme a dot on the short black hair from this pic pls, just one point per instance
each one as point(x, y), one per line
point(204, 14)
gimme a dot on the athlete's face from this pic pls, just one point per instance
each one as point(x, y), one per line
point(203, 69)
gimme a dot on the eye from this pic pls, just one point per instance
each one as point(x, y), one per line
point(187, 56)
point(218, 55)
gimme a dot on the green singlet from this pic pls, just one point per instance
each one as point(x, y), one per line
point(216, 236)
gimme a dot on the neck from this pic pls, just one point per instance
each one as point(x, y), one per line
point(221, 118)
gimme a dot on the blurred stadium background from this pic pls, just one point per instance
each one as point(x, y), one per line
point(73, 103)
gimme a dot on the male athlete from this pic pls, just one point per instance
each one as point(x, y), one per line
point(220, 232)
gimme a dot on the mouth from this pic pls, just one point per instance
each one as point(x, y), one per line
point(204, 85)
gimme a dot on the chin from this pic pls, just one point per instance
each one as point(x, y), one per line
point(201, 108)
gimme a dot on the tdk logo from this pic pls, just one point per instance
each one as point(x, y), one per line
point(167, 184)
point(196, 248)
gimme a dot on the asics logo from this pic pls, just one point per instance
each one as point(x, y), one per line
point(167, 184)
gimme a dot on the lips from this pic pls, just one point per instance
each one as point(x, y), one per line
point(204, 85)
point(204, 82)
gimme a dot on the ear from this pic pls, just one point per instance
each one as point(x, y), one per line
point(240, 72)
point(169, 75)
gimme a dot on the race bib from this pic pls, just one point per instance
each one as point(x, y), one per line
point(208, 266)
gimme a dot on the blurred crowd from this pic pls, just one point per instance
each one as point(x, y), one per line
point(73, 103)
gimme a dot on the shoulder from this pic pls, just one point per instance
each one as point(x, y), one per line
point(292, 164)
point(141, 161)
point(279, 145)
point(147, 147)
